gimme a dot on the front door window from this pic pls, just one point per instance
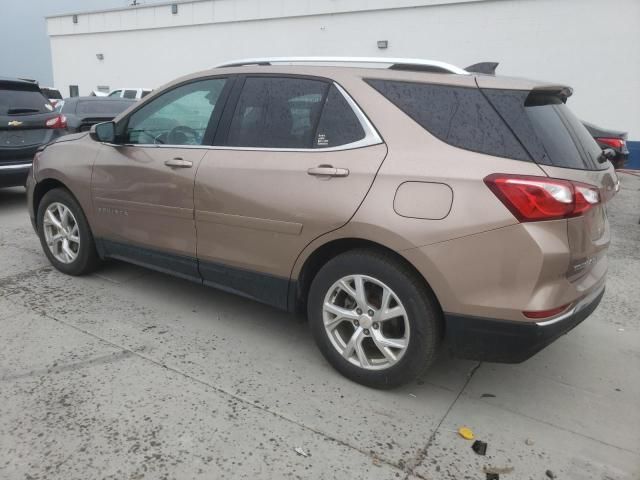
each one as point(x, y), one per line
point(178, 117)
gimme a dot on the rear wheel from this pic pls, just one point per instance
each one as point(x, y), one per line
point(373, 318)
point(65, 235)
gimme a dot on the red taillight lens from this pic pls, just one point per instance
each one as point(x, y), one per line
point(533, 199)
point(612, 142)
point(546, 313)
point(59, 121)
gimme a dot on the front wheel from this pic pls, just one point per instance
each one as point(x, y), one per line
point(65, 235)
point(373, 318)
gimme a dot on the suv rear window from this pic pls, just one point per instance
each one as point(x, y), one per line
point(22, 100)
point(548, 129)
point(460, 116)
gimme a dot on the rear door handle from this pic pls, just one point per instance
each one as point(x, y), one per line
point(178, 163)
point(328, 171)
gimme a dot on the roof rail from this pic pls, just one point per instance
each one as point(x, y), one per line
point(414, 64)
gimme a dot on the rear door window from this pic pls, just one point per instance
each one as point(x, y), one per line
point(18, 100)
point(338, 122)
point(274, 112)
point(460, 116)
point(130, 94)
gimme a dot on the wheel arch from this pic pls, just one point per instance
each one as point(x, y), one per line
point(42, 187)
point(47, 184)
point(325, 252)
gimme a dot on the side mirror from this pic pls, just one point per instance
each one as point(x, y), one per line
point(103, 132)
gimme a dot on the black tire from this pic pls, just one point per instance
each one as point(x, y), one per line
point(87, 259)
point(423, 314)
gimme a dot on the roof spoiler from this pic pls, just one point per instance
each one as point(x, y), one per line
point(486, 68)
point(563, 92)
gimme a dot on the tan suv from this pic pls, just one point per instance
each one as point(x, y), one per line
point(403, 203)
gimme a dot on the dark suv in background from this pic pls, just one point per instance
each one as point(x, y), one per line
point(82, 113)
point(27, 121)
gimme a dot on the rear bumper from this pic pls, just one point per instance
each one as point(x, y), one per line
point(14, 174)
point(502, 341)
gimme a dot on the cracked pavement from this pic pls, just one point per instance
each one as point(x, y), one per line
point(131, 374)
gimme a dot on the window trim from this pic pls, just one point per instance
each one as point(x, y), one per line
point(230, 96)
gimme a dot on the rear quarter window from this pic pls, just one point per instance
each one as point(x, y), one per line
point(459, 116)
point(338, 123)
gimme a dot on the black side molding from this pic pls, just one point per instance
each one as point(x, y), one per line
point(262, 287)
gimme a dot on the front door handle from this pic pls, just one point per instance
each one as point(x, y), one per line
point(178, 163)
point(328, 171)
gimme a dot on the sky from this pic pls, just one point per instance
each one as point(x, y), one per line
point(24, 44)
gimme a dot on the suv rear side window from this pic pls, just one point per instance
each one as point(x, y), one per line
point(460, 116)
point(275, 112)
point(22, 100)
point(338, 123)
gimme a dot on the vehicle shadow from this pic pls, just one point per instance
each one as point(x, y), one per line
point(209, 312)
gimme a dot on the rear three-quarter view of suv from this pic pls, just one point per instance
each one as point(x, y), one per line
point(27, 121)
point(403, 204)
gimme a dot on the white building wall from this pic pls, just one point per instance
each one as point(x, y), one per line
point(564, 41)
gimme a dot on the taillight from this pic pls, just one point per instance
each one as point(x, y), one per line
point(533, 199)
point(616, 143)
point(545, 313)
point(59, 121)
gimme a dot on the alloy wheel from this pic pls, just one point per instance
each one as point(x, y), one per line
point(366, 322)
point(61, 232)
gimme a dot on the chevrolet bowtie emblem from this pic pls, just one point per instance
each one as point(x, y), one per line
point(15, 123)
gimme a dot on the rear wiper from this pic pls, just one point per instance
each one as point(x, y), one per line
point(16, 111)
